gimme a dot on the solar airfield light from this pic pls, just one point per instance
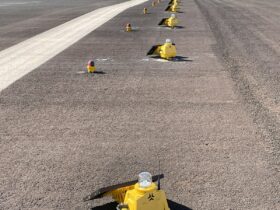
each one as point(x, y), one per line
point(166, 51)
point(145, 11)
point(171, 22)
point(128, 27)
point(142, 194)
point(174, 2)
point(172, 8)
point(91, 67)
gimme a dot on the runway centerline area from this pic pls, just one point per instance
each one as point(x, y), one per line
point(26, 56)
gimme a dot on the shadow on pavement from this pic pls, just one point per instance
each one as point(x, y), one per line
point(176, 206)
point(99, 72)
point(175, 59)
point(179, 27)
point(168, 28)
point(107, 206)
point(112, 206)
point(181, 59)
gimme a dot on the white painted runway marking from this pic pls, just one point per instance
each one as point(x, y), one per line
point(17, 3)
point(20, 59)
point(161, 60)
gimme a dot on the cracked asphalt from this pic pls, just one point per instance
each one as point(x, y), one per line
point(211, 119)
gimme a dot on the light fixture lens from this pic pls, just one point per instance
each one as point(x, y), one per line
point(145, 179)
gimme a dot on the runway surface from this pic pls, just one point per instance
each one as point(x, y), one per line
point(23, 19)
point(211, 117)
point(26, 56)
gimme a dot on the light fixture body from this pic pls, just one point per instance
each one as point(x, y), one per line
point(149, 198)
point(128, 27)
point(91, 67)
point(166, 51)
point(141, 194)
point(171, 22)
point(145, 11)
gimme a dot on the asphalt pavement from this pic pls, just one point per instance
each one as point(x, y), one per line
point(204, 117)
point(22, 19)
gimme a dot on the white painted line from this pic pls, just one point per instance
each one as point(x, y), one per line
point(17, 3)
point(20, 59)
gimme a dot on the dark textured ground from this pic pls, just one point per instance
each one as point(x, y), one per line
point(212, 120)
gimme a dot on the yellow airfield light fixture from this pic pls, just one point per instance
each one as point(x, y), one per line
point(128, 27)
point(91, 67)
point(172, 8)
point(166, 51)
point(141, 194)
point(145, 11)
point(174, 1)
point(171, 22)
